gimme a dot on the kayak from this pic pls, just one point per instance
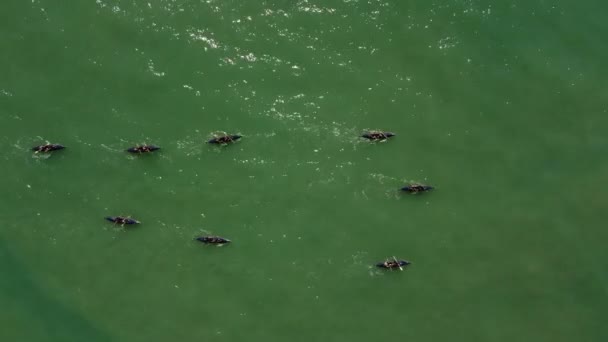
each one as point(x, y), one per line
point(416, 188)
point(224, 139)
point(122, 220)
point(143, 149)
point(48, 148)
point(377, 136)
point(392, 264)
point(215, 240)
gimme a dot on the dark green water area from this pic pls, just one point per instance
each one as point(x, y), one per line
point(502, 106)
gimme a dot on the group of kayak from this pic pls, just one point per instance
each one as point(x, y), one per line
point(217, 140)
point(218, 240)
point(225, 139)
point(222, 139)
point(393, 263)
point(127, 221)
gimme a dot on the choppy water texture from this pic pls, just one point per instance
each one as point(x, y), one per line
point(500, 105)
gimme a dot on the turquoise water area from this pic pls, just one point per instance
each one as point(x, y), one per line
point(501, 106)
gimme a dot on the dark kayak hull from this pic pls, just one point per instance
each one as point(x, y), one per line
point(141, 149)
point(48, 148)
point(401, 263)
point(375, 136)
point(122, 220)
point(213, 240)
point(224, 139)
point(417, 188)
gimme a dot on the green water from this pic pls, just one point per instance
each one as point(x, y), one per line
point(502, 107)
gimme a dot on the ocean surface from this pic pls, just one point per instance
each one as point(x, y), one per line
point(501, 105)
